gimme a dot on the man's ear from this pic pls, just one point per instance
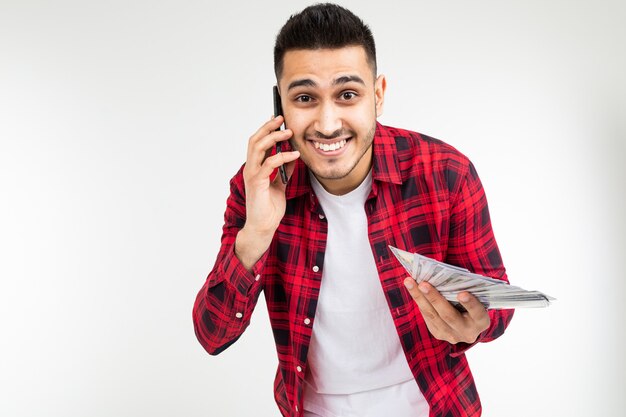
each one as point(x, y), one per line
point(379, 90)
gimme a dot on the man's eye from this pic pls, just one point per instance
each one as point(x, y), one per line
point(303, 98)
point(348, 95)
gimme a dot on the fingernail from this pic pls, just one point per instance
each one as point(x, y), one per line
point(423, 289)
point(408, 283)
point(464, 298)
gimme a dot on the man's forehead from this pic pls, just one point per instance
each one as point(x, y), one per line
point(331, 65)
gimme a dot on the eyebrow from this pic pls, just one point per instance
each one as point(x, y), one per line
point(348, 79)
point(307, 82)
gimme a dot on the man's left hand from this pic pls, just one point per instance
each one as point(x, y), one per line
point(444, 321)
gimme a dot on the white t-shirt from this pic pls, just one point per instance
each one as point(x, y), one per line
point(355, 360)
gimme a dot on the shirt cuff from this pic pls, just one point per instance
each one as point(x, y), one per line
point(460, 348)
point(238, 276)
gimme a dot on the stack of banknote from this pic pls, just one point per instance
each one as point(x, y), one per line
point(450, 280)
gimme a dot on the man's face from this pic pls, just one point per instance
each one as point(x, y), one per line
point(330, 101)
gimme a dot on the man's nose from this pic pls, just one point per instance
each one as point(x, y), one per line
point(328, 120)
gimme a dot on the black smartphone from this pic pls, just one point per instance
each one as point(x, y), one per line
point(278, 111)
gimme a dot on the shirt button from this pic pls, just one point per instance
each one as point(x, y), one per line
point(322, 216)
point(316, 268)
point(299, 368)
point(258, 277)
point(239, 315)
point(307, 321)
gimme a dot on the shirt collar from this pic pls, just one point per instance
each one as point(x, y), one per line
point(385, 165)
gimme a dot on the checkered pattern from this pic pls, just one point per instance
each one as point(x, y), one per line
point(426, 197)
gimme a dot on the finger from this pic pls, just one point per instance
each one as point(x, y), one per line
point(434, 322)
point(261, 147)
point(274, 161)
point(416, 294)
point(266, 174)
point(268, 127)
point(476, 311)
point(446, 311)
point(289, 168)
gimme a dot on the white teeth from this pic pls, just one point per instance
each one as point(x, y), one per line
point(326, 147)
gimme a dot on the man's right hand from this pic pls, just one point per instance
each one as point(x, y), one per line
point(265, 199)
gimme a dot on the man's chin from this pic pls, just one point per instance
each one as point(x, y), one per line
point(331, 176)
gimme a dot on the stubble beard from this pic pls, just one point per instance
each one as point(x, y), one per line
point(337, 173)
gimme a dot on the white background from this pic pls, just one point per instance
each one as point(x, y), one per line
point(121, 123)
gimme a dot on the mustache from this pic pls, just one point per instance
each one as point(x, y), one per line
point(336, 134)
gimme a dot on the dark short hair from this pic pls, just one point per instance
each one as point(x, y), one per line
point(323, 26)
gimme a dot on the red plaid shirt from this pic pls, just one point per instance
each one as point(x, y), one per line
point(426, 197)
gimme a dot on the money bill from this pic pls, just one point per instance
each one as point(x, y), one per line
point(450, 280)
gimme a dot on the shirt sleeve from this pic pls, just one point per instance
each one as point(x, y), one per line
point(472, 245)
point(225, 303)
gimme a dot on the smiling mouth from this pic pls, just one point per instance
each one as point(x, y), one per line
point(329, 147)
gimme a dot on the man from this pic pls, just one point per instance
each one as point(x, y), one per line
point(353, 336)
